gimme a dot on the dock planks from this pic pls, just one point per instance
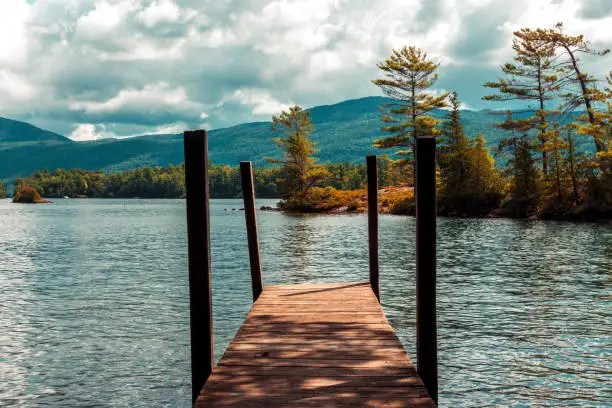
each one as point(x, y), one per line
point(315, 345)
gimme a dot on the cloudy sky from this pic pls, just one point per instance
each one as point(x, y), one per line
point(103, 68)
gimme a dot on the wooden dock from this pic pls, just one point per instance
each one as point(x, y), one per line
point(312, 344)
point(315, 345)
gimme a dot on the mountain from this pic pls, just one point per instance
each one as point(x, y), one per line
point(345, 132)
point(12, 131)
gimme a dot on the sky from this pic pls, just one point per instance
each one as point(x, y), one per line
point(91, 69)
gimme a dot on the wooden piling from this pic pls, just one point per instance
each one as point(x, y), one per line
point(427, 347)
point(373, 224)
point(248, 192)
point(198, 242)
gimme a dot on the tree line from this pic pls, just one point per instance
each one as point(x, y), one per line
point(543, 173)
point(169, 182)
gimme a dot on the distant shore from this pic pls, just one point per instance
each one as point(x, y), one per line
point(358, 206)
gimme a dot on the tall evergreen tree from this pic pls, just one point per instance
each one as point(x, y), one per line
point(557, 182)
point(485, 185)
point(453, 155)
point(579, 88)
point(533, 77)
point(522, 171)
point(525, 190)
point(572, 162)
point(294, 127)
point(2, 190)
point(409, 76)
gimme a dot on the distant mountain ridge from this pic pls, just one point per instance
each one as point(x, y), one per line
point(13, 131)
point(345, 132)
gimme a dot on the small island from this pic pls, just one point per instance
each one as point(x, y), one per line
point(25, 194)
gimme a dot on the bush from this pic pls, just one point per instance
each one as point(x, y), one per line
point(27, 195)
point(322, 199)
point(399, 202)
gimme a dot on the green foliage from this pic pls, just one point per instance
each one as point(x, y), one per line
point(567, 182)
point(346, 176)
point(300, 170)
point(409, 75)
point(535, 76)
point(524, 191)
point(169, 182)
point(577, 87)
point(598, 203)
point(2, 190)
point(470, 185)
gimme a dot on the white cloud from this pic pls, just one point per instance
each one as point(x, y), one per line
point(137, 66)
point(13, 41)
point(104, 18)
point(171, 128)
point(262, 102)
point(89, 131)
point(164, 11)
point(151, 97)
point(15, 87)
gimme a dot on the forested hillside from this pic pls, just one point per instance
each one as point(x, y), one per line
point(345, 132)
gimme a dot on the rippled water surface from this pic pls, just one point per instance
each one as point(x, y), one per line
point(94, 300)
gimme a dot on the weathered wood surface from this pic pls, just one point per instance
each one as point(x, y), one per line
point(315, 345)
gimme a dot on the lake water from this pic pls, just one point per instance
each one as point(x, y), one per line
point(94, 300)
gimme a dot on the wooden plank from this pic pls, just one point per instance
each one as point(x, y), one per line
point(276, 384)
point(318, 327)
point(309, 362)
point(356, 342)
point(303, 334)
point(336, 401)
point(314, 372)
point(335, 349)
point(309, 286)
point(313, 348)
point(306, 353)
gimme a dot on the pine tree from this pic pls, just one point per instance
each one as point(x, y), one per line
point(557, 180)
point(533, 77)
point(409, 75)
point(579, 88)
point(522, 171)
point(453, 152)
point(607, 116)
point(525, 191)
point(572, 163)
point(302, 172)
point(485, 185)
point(2, 190)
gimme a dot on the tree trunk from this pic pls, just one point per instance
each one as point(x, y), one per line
point(572, 166)
point(599, 145)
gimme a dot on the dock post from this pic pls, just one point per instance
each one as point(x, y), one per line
point(425, 189)
point(373, 224)
point(198, 244)
point(248, 193)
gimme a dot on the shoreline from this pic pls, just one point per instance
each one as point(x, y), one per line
point(344, 210)
point(490, 216)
